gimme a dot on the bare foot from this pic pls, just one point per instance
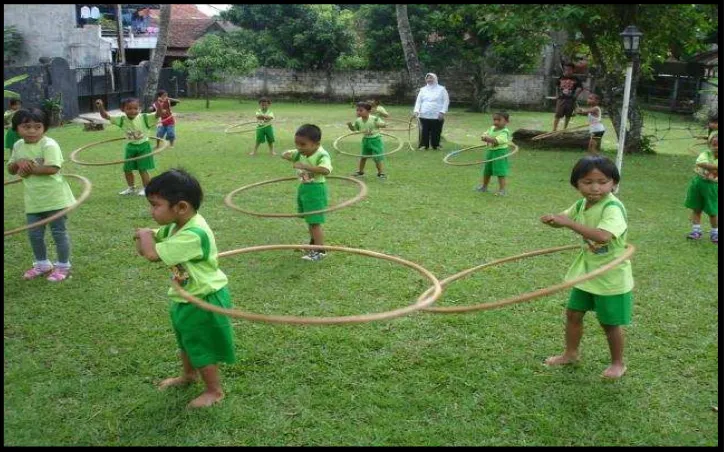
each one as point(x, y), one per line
point(252, 153)
point(273, 153)
point(561, 360)
point(206, 399)
point(175, 381)
point(614, 371)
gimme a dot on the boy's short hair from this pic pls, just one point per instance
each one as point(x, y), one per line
point(15, 102)
point(161, 92)
point(366, 105)
point(502, 114)
point(592, 162)
point(264, 99)
point(129, 100)
point(30, 115)
point(176, 185)
point(309, 131)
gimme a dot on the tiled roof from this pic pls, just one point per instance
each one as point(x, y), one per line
point(184, 32)
point(182, 11)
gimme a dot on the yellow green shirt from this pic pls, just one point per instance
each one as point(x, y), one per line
point(44, 192)
point(370, 127)
point(137, 129)
point(8, 117)
point(501, 135)
point(608, 214)
point(319, 158)
point(380, 112)
point(193, 257)
point(265, 113)
point(707, 157)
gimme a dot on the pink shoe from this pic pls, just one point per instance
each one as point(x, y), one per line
point(35, 272)
point(59, 274)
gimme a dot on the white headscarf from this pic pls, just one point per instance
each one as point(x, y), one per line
point(434, 80)
point(432, 99)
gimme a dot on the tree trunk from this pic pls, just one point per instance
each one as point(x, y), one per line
point(575, 139)
point(206, 85)
point(121, 42)
point(414, 68)
point(158, 56)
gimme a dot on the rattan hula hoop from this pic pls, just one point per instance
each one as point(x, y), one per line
point(74, 154)
point(422, 301)
point(400, 144)
point(360, 196)
point(528, 296)
point(557, 132)
point(80, 200)
point(406, 129)
point(447, 157)
point(691, 149)
point(230, 129)
point(409, 133)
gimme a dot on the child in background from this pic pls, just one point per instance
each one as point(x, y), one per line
point(713, 126)
point(703, 192)
point(137, 127)
point(265, 129)
point(498, 137)
point(187, 245)
point(11, 136)
point(167, 129)
point(378, 110)
point(595, 126)
point(372, 140)
point(37, 159)
point(600, 218)
point(312, 163)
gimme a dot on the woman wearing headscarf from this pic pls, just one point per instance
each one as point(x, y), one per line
point(431, 106)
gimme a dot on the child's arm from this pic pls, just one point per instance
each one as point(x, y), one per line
point(312, 169)
point(40, 170)
point(352, 126)
point(22, 166)
point(146, 244)
point(563, 221)
point(171, 99)
point(287, 155)
point(101, 109)
point(709, 166)
point(584, 111)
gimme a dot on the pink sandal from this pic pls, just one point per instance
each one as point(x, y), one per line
point(59, 274)
point(35, 272)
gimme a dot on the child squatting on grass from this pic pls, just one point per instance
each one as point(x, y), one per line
point(312, 163)
point(187, 245)
point(600, 218)
point(703, 192)
point(37, 159)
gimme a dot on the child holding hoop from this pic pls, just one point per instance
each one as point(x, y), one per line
point(186, 244)
point(600, 218)
point(378, 110)
point(137, 126)
point(11, 136)
point(167, 128)
point(498, 136)
point(595, 126)
point(265, 129)
point(703, 192)
point(37, 159)
point(372, 144)
point(312, 163)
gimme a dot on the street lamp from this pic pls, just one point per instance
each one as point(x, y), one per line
point(631, 43)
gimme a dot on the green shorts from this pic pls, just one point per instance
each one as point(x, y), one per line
point(312, 196)
point(613, 310)
point(137, 150)
point(265, 134)
point(11, 137)
point(703, 195)
point(206, 337)
point(500, 167)
point(373, 146)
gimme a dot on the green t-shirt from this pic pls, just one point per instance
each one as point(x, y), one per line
point(707, 157)
point(608, 214)
point(265, 113)
point(137, 129)
point(501, 135)
point(192, 255)
point(380, 112)
point(370, 127)
point(319, 158)
point(48, 191)
point(8, 117)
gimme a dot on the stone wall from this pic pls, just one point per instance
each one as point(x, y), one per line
point(45, 81)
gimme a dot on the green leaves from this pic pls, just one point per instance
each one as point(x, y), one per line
point(210, 60)
point(10, 81)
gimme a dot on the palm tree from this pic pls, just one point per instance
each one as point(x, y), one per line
point(158, 56)
point(408, 46)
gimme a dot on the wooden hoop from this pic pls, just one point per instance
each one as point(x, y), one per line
point(532, 295)
point(422, 301)
point(447, 157)
point(557, 132)
point(409, 133)
point(691, 150)
point(362, 194)
point(230, 128)
point(334, 145)
point(74, 159)
point(81, 199)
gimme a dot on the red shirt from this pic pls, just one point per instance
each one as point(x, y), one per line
point(167, 118)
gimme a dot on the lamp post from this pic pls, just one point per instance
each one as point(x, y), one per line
point(631, 43)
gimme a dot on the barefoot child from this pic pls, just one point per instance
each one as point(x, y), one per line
point(37, 159)
point(703, 192)
point(600, 218)
point(595, 126)
point(138, 127)
point(498, 137)
point(167, 129)
point(312, 163)
point(265, 129)
point(372, 140)
point(187, 245)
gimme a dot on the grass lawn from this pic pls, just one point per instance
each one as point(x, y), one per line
point(82, 357)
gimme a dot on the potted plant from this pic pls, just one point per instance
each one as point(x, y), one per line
point(54, 109)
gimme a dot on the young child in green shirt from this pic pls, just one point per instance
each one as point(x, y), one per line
point(498, 136)
point(703, 192)
point(265, 129)
point(312, 163)
point(378, 110)
point(372, 144)
point(600, 218)
point(187, 245)
point(37, 159)
point(138, 127)
point(11, 136)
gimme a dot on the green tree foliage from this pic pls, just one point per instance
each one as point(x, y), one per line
point(12, 44)
point(211, 60)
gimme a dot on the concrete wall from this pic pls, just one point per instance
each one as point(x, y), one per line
point(50, 31)
point(45, 82)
